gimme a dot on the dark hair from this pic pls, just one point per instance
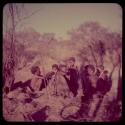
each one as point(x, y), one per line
point(55, 66)
point(72, 59)
point(101, 66)
point(61, 66)
point(34, 69)
point(90, 66)
point(105, 71)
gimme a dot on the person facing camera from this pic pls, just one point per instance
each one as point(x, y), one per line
point(36, 79)
point(73, 75)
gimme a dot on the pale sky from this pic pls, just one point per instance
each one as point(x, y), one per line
point(60, 18)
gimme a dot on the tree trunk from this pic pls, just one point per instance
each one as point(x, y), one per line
point(93, 55)
point(119, 88)
point(102, 62)
point(11, 61)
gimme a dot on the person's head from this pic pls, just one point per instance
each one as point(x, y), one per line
point(101, 67)
point(35, 70)
point(90, 69)
point(71, 61)
point(104, 74)
point(55, 68)
point(63, 68)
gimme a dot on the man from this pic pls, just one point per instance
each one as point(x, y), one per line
point(88, 79)
point(103, 86)
point(32, 84)
point(36, 78)
point(73, 74)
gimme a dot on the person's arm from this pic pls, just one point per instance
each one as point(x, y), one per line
point(44, 83)
point(31, 88)
point(28, 85)
point(67, 77)
point(41, 77)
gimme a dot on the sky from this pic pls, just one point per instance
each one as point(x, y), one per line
point(61, 18)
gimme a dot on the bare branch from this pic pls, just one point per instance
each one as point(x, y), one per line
point(28, 16)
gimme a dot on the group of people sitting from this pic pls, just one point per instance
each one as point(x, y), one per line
point(64, 80)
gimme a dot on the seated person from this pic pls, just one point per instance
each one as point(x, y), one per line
point(31, 85)
point(36, 80)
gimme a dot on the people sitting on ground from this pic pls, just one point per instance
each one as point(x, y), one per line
point(72, 71)
point(33, 84)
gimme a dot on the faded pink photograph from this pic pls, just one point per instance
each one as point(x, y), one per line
point(62, 62)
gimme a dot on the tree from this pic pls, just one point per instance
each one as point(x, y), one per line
point(14, 15)
point(89, 35)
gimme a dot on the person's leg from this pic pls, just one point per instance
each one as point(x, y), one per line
point(75, 89)
point(97, 108)
point(84, 106)
point(93, 105)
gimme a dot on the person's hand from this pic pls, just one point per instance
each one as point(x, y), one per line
point(71, 94)
point(80, 93)
point(67, 76)
point(99, 95)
